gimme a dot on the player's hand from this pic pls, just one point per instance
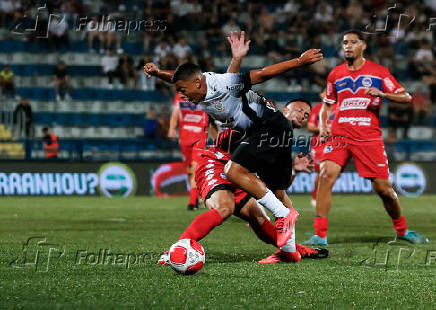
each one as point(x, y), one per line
point(172, 133)
point(238, 45)
point(150, 69)
point(310, 56)
point(324, 133)
point(303, 163)
point(375, 92)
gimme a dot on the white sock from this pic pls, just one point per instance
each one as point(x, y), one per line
point(290, 245)
point(271, 202)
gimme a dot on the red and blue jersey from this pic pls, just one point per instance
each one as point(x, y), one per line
point(193, 123)
point(358, 114)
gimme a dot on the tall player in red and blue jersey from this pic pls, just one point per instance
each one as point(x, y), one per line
point(358, 86)
point(193, 132)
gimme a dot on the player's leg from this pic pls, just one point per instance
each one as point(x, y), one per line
point(329, 172)
point(188, 155)
point(221, 204)
point(371, 162)
point(315, 190)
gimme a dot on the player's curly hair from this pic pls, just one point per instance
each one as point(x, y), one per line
point(185, 71)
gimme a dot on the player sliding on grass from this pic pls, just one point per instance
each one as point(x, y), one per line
point(228, 98)
point(224, 199)
point(358, 86)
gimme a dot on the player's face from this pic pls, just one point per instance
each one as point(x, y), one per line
point(190, 89)
point(298, 113)
point(352, 46)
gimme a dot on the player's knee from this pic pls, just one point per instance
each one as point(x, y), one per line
point(225, 207)
point(326, 176)
point(386, 193)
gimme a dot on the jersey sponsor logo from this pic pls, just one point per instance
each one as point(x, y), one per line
point(235, 87)
point(360, 121)
point(358, 103)
point(219, 155)
point(192, 128)
point(389, 84)
point(193, 118)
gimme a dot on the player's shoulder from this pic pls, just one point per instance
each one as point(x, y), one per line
point(338, 70)
point(376, 67)
point(317, 108)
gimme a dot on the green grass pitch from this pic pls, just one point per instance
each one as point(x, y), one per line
point(361, 273)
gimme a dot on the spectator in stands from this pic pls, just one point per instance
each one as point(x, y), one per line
point(51, 145)
point(161, 50)
point(109, 64)
point(7, 11)
point(146, 83)
point(400, 115)
point(7, 81)
point(421, 106)
point(126, 70)
point(182, 49)
point(23, 117)
point(421, 65)
point(58, 32)
point(150, 124)
point(109, 36)
point(163, 122)
point(61, 78)
point(92, 29)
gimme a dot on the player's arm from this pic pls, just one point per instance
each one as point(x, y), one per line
point(239, 50)
point(401, 97)
point(172, 133)
point(308, 57)
point(150, 69)
point(324, 129)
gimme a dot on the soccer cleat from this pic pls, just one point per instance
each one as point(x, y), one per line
point(281, 257)
point(164, 259)
point(306, 252)
point(192, 207)
point(414, 237)
point(316, 240)
point(285, 226)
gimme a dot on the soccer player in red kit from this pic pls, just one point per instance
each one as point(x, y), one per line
point(358, 87)
point(317, 144)
point(193, 132)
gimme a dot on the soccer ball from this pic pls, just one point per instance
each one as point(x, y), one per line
point(186, 256)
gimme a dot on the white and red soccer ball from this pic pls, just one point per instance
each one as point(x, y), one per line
point(186, 256)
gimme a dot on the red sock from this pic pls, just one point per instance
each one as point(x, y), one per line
point(400, 225)
point(202, 225)
point(193, 196)
point(267, 232)
point(314, 193)
point(320, 225)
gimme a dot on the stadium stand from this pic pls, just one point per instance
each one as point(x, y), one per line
point(278, 30)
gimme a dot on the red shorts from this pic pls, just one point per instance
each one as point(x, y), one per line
point(369, 158)
point(190, 153)
point(210, 177)
point(316, 155)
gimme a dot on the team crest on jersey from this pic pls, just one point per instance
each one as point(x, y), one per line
point(366, 82)
point(328, 149)
point(218, 105)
